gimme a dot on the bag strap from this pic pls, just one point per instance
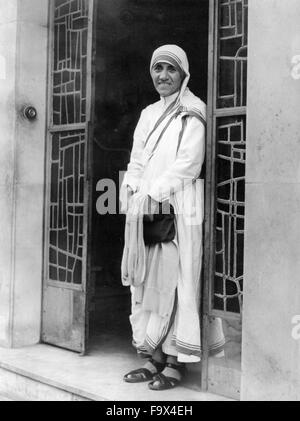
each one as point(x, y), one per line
point(167, 112)
point(184, 124)
point(162, 133)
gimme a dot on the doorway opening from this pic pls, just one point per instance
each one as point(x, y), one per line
point(127, 33)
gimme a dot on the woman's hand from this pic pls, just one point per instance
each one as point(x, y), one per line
point(129, 191)
point(125, 196)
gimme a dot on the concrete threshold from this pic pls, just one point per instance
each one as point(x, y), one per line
point(43, 372)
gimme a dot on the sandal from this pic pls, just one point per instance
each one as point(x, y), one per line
point(143, 374)
point(166, 382)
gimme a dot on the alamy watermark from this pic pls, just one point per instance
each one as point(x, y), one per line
point(189, 192)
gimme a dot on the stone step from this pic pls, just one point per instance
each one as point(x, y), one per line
point(45, 373)
point(4, 396)
point(18, 387)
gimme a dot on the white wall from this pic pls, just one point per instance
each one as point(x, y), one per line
point(270, 356)
point(8, 36)
point(23, 35)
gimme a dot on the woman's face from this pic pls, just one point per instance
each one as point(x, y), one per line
point(166, 79)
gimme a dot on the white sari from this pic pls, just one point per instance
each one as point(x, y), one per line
point(171, 174)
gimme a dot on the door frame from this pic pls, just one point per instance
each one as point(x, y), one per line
point(209, 204)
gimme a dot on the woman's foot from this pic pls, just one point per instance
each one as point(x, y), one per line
point(145, 373)
point(169, 378)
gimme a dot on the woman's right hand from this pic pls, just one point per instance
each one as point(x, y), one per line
point(125, 196)
point(129, 191)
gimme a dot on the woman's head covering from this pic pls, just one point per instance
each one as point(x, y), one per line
point(176, 56)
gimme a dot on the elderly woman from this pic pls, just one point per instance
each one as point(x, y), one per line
point(165, 165)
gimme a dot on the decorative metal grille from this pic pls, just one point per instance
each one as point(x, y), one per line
point(232, 53)
point(230, 213)
point(68, 145)
point(66, 207)
point(230, 138)
point(70, 61)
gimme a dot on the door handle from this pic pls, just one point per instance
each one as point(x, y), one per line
point(30, 113)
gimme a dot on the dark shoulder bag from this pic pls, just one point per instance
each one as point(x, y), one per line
point(160, 227)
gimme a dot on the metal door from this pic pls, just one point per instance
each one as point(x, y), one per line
point(67, 188)
point(226, 157)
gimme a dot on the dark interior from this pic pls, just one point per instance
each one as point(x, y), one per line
point(128, 31)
